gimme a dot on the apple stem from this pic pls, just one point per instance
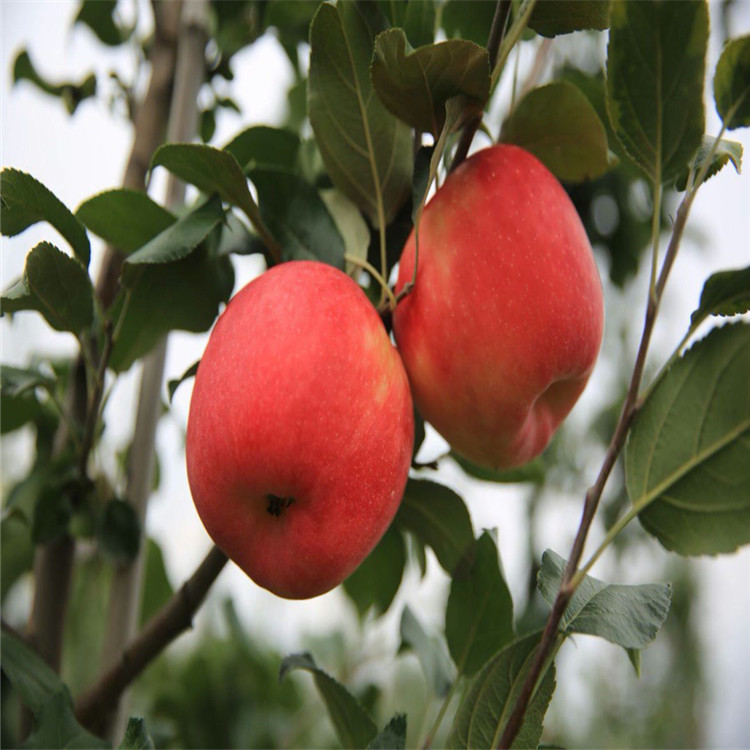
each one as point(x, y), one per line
point(367, 266)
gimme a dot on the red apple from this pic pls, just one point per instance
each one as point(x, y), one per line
point(504, 324)
point(300, 429)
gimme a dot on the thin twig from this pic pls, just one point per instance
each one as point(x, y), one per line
point(175, 617)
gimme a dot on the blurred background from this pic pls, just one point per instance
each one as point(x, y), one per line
point(217, 685)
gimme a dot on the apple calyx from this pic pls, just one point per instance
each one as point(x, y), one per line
point(277, 504)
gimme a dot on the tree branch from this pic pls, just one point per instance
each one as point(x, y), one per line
point(594, 493)
point(175, 617)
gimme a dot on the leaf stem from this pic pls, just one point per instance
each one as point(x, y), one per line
point(367, 266)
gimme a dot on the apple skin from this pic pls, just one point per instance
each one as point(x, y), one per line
point(300, 430)
point(504, 324)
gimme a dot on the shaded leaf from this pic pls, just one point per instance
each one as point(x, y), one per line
point(179, 239)
point(479, 613)
point(726, 151)
point(732, 83)
point(565, 16)
point(126, 219)
point(119, 532)
point(351, 226)
point(489, 700)
point(56, 726)
point(375, 582)
point(415, 86)
point(156, 586)
point(175, 383)
point(366, 150)
point(16, 550)
point(628, 616)
point(431, 651)
point(468, 19)
point(438, 517)
point(393, 736)
point(56, 286)
point(688, 458)
point(655, 69)
point(533, 471)
point(262, 146)
point(25, 201)
point(724, 293)
point(560, 127)
point(136, 737)
point(354, 727)
point(18, 380)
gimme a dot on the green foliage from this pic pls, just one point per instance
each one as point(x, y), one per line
point(732, 83)
point(98, 16)
point(119, 532)
point(16, 550)
point(628, 616)
point(720, 153)
point(415, 85)
point(486, 705)
point(136, 737)
point(532, 472)
point(393, 736)
point(175, 383)
point(468, 19)
point(431, 651)
point(687, 460)
point(560, 127)
point(724, 293)
point(25, 201)
point(566, 16)
point(366, 150)
point(655, 70)
point(479, 613)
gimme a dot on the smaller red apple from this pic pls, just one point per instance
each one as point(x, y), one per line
point(300, 429)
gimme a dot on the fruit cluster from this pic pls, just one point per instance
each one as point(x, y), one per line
point(301, 428)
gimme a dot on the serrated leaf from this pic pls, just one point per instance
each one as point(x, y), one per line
point(732, 83)
point(262, 146)
point(56, 726)
point(655, 70)
point(431, 652)
point(393, 736)
point(565, 16)
point(688, 458)
point(126, 219)
point(297, 218)
point(119, 532)
point(179, 239)
point(366, 150)
point(558, 124)
point(25, 201)
point(479, 613)
point(375, 582)
point(175, 383)
point(532, 472)
point(351, 226)
point(438, 517)
point(489, 700)
point(415, 85)
point(724, 152)
point(628, 616)
point(354, 727)
point(54, 285)
point(72, 94)
point(724, 293)
point(136, 737)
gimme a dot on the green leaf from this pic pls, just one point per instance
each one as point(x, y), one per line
point(184, 295)
point(416, 86)
point(393, 736)
point(178, 240)
point(119, 532)
point(16, 550)
point(98, 16)
point(724, 293)
point(366, 150)
point(354, 727)
point(558, 124)
point(532, 472)
point(174, 384)
point(375, 582)
point(479, 614)
point(725, 151)
point(297, 218)
point(126, 219)
point(351, 226)
point(489, 700)
point(72, 94)
point(52, 514)
point(25, 201)
point(431, 652)
point(655, 69)
point(56, 726)
point(18, 380)
point(468, 19)
point(136, 737)
point(732, 83)
point(438, 517)
point(56, 286)
point(628, 616)
point(565, 16)
point(261, 146)
point(156, 586)
point(688, 458)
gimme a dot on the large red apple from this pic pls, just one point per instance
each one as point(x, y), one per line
point(300, 429)
point(504, 324)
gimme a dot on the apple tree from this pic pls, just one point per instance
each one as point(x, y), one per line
point(389, 104)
